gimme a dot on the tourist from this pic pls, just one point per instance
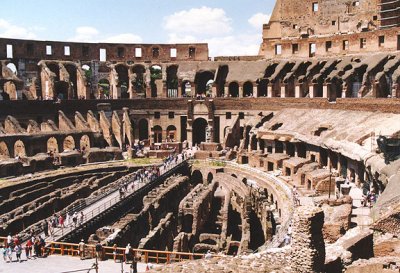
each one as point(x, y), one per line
point(208, 255)
point(99, 250)
point(61, 221)
point(81, 217)
point(81, 249)
point(115, 252)
point(3, 251)
point(9, 239)
point(18, 251)
point(28, 248)
point(45, 227)
point(9, 252)
point(128, 252)
point(75, 219)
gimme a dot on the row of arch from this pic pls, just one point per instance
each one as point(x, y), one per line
point(52, 146)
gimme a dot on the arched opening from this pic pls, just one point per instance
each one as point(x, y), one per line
point(138, 83)
point(210, 177)
point(248, 89)
point(197, 177)
point(87, 70)
point(278, 147)
point(73, 85)
point(123, 80)
point(262, 88)
point(84, 143)
point(234, 89)
point(157, 132)
point(155, 78)
point(199, 131)
point(68, 144)
point(4, 152)
point(172, 81)
point(52, 145)
point(103, 89)
point(171, 133)
point(143, 129)
point(186, 89)
point(19, 149)
point(201, 80)
point(221, 80)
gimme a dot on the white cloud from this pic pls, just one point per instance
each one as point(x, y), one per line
point(234, 45)
point(213, 26)
point(203, 21)
point(124, 38)
point(9, 30)
point(85, 34)
point(92, 35)
point(258, 19)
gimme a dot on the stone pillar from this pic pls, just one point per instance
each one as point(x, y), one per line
point(283, 90)
point(326, 91)
point(269, 91)
point(226, 91)
point(241, 91)
point(297, 91)
point(255, 89)
point(308, 247)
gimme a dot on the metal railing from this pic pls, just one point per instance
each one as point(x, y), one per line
point(144, 255)
point(60, 232)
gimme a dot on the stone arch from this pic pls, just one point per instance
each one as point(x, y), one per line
point(52, 145)
point(123, 80)
point(220, 80)
point(248, 89)
point(171, 133)
point(199, 130)
point(4, 152)
point(186, 89)
point(262, 88)
point(138, 82)
point(197, 177)
point(201, 80)
point(172, 81)
point(234, 89)
point(143, 129)
point(155, 78)
point(84, 143)
point(69, 143)
point(19, 149)
point(103, 88)
point(73, 81)
point(157, 134)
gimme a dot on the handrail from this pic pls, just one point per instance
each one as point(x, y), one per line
point(103, 207)
point(146, 256)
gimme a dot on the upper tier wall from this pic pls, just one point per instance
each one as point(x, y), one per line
point(68, 51)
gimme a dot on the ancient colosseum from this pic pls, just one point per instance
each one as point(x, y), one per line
point(288, 161)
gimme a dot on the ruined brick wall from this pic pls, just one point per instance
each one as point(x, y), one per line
point(308, 247)
point(36, 50)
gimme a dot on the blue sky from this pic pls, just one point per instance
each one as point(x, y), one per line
point(231, 27)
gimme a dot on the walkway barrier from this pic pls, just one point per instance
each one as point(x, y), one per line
point(144, 255)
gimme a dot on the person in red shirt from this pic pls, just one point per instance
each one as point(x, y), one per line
point(61, 221)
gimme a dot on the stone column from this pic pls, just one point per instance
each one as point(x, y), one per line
point(283, 90)
point(308, 247)
point(297, 90)
point(326, 91)
point(269, 90)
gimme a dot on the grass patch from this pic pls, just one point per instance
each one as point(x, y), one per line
point(218, 164)
point(144, 161)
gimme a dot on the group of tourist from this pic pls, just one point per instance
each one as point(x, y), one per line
point(34, 248)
